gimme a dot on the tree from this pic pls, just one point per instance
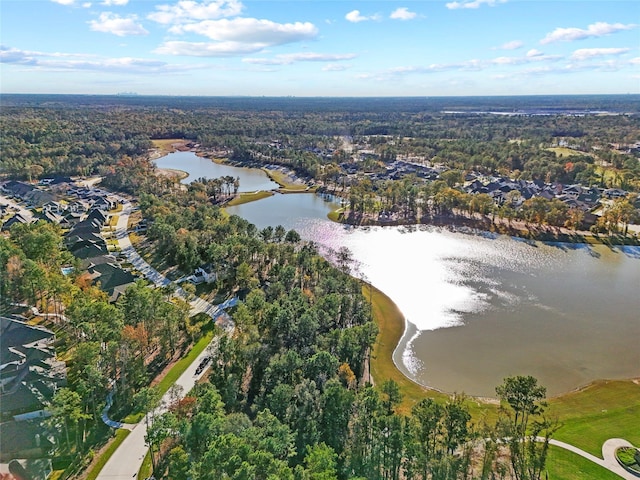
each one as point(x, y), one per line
point(524, 426)
point(320, 463)
point(67, 406)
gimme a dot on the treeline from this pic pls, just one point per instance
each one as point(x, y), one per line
point(414, 201)
point(106, 346)
point(289, 394)
point(89, 137)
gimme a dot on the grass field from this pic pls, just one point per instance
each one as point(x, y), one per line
point(566, 152)
point(565, 465)
point(603, 410)
point(182, 364)
point(165, 143)
point(283, 180)
point(121, 434)
point(249, 197)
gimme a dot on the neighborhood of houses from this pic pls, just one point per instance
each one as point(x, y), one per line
point(587, 199)
point(29, 371)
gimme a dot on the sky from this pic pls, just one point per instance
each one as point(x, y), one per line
point(320, 48)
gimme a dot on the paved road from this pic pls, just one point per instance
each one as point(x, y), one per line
point(26, 214)
point(127, 459)
point(124, 242)
point(608, 459)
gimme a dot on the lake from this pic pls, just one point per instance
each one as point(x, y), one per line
point(480, 307)
point(251, 179)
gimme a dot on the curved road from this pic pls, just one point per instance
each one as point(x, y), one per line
point(608, 459)
point(127, 459)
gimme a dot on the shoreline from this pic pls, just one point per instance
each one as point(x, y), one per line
point(484, 224)
point(172, 172)
point(392, 326)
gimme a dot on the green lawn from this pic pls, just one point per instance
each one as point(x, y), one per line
point(146, 469)
point(603, 410)
point(249, 197)
point(566, 152)
point(182, 364)
point(565, 465)
point(121, 434)
point(589, 417)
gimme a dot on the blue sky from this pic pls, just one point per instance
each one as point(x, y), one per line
point(320, 48)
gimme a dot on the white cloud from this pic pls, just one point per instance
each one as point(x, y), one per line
point(208, 49)
point(252, 31)
point(64, 2)
point(534, 53)
point(289, 58)
point(473, 4)
point(402, 13)
point(635, 61)
point(188, 11)
point(336, 67)
point(117, 25)
point(598, 29)
point(587, 53)
point(114, 2)
point(355, 17)
point(82, 62)
point(86, 5)
point(513, 45)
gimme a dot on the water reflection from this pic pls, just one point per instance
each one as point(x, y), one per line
point(481, 307)
point(251, 179)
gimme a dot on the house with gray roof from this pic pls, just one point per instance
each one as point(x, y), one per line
point(111, 279)
point(29, 370)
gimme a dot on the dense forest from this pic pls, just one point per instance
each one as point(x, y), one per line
point(289, 394)
point(46, 135)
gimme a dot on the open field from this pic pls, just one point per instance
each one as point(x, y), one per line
point(165, 143)
point(284, 180)
point(248, 197)
point(565, 465)
point(604, 409)
point(566, 152)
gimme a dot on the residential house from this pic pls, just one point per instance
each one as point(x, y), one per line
point(98, 215)
point(29, 371)
point(17, 218)
point(50, 217)
point(54, 207)
point(615, 193)
point(78, 206)
point(17, 189)
point(105, 203)
point(39, 198)
point(29, 441)
point(111, 278)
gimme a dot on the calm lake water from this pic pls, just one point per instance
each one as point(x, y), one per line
point(251, 179)
point(480, 308)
